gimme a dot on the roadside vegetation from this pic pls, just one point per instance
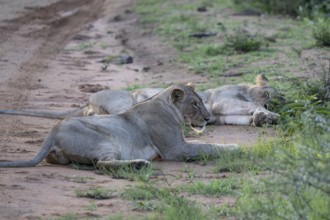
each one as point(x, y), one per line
point(231, 42)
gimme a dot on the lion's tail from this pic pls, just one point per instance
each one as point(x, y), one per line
point(46, 114)
point(261, 80)
point(45, 148)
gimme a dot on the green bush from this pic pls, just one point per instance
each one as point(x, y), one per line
point(299, 187)
point(321, 32)
point(242, 41)
point(289, 7)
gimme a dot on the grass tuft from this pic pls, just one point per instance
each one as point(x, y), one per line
point(226, 186)
point(242, 41)
point(129, 172)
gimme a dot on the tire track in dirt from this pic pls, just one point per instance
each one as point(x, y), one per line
point(41, 33)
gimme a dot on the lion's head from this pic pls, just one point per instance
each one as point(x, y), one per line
point(191, 106)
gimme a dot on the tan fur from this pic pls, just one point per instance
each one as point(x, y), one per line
point(150, 129)
point(261, 80)
point(230, 104)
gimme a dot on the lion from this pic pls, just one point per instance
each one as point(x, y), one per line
point(148, 130)
point(230, 104)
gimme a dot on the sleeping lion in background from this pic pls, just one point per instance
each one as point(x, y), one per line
point(240, 104)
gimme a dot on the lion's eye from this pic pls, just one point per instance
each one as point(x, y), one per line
point(195, 104)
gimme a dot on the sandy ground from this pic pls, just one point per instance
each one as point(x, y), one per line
point(50, 49)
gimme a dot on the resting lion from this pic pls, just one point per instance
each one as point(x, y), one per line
point(149, 129)
point(230, 104)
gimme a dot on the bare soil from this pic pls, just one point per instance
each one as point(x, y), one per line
point(50, 55)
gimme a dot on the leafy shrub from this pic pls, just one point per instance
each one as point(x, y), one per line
point(320, 84)
point(243, 41)
point(299, 187)
point(321, 32)
point(289, 7)
point(312, 100)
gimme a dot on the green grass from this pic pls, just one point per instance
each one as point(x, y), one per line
point(129, 172)
point(240, 46)
point(216, 188)
point(165, 202)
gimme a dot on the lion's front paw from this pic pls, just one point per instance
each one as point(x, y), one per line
point(260, 118)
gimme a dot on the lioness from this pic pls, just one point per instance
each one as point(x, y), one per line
point(150, 129)
point(229, 104)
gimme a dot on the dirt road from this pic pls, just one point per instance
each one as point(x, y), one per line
point(50, 53)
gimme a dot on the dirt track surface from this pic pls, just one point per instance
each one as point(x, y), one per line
point(49, 51)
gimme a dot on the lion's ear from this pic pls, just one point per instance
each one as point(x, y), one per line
point(191, 86)
point(177, 94)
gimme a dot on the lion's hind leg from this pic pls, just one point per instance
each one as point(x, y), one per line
point(56, 156)
point(111, 164)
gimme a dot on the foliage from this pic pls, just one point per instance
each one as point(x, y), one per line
point(321, 32)
point(129, 172)
point(242, 41)
point(320, 85)
point(299, 186)
point(226, 186)
point(289, 7)
point(167, 201)
point(239, 161)
point(312, 101)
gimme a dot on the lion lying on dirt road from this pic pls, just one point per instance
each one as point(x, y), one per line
point(229, 104)
point(148, 130)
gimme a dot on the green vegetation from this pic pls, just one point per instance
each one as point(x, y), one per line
point(289, 7)
point(129, 172)
point(321, 32)
point(242, 41)
point(217, 188)
point(166, 202)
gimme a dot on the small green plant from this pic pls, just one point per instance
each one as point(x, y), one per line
point(139, 193)
point(240, 161)
point(298, 187)
point(129, 172)
point(95, 193)
point(223, 211)
point(167, 201)
point(288, 7)
point(92, 206)
point(243, 42)
point(320, 85)
point(226, 186)
point(321, 32)
point(191, 173)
